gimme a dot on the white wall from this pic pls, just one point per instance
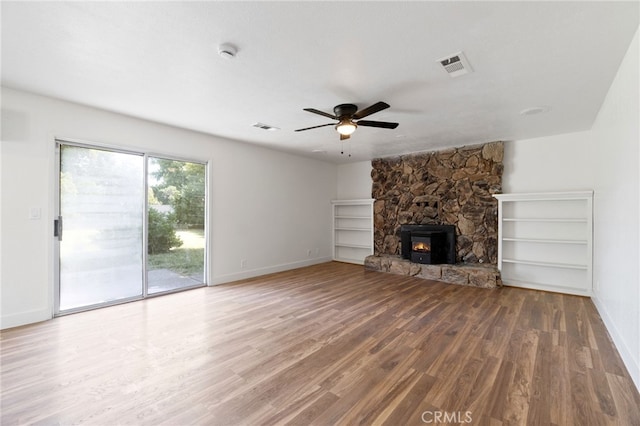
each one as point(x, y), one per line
point(265, 206)
point(616, 270)
point(354, 180)
point(605, 159)
point(549, 164)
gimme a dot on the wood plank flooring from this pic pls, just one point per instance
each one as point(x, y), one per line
point(329, 344)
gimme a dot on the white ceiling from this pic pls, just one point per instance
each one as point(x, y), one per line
point(159, 61)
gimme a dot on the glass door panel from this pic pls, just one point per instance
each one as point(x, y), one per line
point(102, 209)
point(176, 225)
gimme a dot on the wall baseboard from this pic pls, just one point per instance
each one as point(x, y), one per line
point(266, 270)
point(632, 364)
point(23, 318)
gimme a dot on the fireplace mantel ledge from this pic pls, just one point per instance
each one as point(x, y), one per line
point(475, 275)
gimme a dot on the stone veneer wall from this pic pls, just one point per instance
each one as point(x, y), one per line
point(451, 187)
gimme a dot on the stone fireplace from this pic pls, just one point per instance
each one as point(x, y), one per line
point(452, 188)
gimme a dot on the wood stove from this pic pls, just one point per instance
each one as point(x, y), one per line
point(428, 244)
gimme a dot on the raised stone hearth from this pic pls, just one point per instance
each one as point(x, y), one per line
point(485, 276)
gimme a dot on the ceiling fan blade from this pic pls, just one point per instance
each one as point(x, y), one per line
point(382, 124)
point(379, 106)
point(343, 137)
point(325, 114)
point(315, 127)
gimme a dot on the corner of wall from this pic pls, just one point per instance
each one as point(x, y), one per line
point(616, 132)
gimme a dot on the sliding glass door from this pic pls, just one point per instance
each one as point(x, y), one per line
point(176, 200)
point(129, 226)
point(101, 226)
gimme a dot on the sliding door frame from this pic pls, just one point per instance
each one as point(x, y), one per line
point(58, 143)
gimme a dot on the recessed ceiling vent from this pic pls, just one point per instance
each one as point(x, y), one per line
point(456, 64)
point(265, 126)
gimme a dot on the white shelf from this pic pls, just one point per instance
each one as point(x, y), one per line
point(545, 196)
point(545, 264)
point(545, 241)
point(545, 219)
point(543, 286)
point(349, 260)
point(360, 246)
point(352, 230)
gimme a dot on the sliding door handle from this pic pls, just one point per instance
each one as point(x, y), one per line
point(57, 228)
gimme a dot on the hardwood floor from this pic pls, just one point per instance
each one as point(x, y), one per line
point(323, 345)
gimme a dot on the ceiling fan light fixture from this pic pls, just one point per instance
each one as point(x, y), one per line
point(346, 127)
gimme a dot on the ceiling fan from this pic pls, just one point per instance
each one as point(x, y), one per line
point(347, 113)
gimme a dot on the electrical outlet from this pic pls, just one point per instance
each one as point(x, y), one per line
point(308, 252)
point(243, 263)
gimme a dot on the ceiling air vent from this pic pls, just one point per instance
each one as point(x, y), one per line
point(264, 126)
point(455, 65)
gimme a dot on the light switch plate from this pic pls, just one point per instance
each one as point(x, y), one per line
point(35, 213)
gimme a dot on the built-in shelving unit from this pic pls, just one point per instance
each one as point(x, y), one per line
point(545, 241)
point(352, 230)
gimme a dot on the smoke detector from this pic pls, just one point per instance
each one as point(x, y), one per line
point(455, 64)
point(227, 50)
